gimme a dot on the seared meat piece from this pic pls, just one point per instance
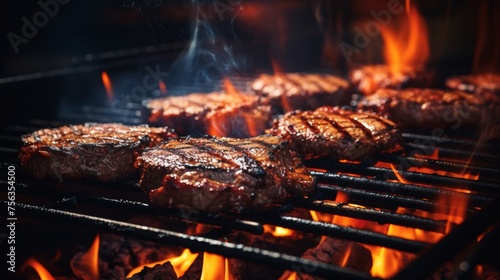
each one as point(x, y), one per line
point(368, 79)
point(432, 108)
point(216, 114)
point(336, 133)
point(216, 174)
point(104, 152)
point(286, 92)
point(479, 83)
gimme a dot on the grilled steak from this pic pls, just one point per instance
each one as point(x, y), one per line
point(104, 152)
point(432, 108)
point(216, 114)
point(368, 79)
point(286, 92)
point(336, 133)
point(216, 174)
point(479, 83)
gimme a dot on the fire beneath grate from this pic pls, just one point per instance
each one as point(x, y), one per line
point(431, 210)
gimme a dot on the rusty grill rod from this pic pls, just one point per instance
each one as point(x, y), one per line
point(197, 243)
point(465, 233)
point(411, 190)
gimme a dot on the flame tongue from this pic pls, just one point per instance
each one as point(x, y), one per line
point(215, 267)
point(406, 48)
point(43, 273)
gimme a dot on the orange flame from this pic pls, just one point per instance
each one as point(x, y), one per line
point(163, 87)
point(180, 263)
point(278, 231)
point(214, 128)
point(406, 47)
point(215, 267)
point(229, 88)
point(278, 73)
point(90, 259)
point(107, 85)
point(43, 273)
point(400, 178)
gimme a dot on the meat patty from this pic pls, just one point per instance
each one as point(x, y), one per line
point(217, 174)
point(104, 152)
point(286, 92)
point(479, 83)
point(335, 133)
point(216, 114)
point(432, 108)
point(369, 78)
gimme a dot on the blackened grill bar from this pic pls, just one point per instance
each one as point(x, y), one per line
point(416, 177)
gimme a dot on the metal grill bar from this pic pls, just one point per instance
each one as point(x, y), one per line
point(415, 191)
point(348, 233)
point(487, 173)
point(379, 216)
point(464, 234)
point(387, 201)
point(197, 243)
point(456, 155)
point(416, 177)
point(448, 141)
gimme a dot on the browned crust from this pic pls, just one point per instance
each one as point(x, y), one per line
point(217, 174)
point(477, 83)
point(432, 108)
point(291, 91)
point(216, 114)
point(369, 78)
point(335, 133)
point(104, 152)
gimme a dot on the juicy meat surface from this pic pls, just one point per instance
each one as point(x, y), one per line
point(369, 78)
point(478, 83)
point(217, 174)
point(432, 108)
point(286, 92)
point(216, 114)
point(104, 152)
point(335, 133)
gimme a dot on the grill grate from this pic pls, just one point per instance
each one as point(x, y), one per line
point(372, 187)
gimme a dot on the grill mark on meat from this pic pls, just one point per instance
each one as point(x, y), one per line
point(253, 166)
point(336, 133)
point(317, 80)
point(334, 123)
point(305, 121)
point(188, 155)
point(171, 182)
point(368, 132)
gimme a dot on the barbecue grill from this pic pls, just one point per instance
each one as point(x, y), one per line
point(414, 179)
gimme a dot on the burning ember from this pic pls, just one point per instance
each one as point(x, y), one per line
point(107, 85)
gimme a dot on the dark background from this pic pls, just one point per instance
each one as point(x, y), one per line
point(60, 67)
